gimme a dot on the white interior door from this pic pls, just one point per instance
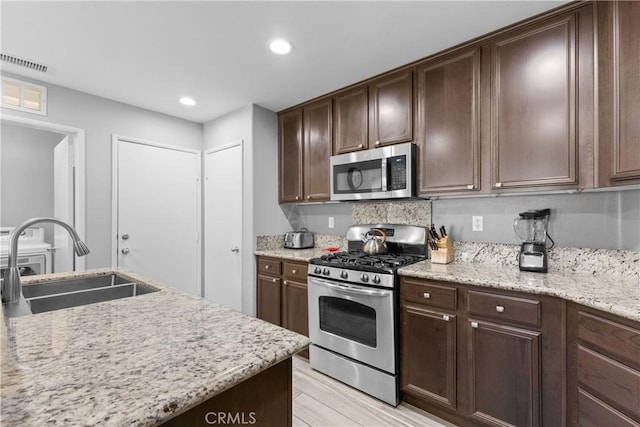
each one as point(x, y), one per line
point(223, 225)
point(63, 202)
point(158, 212)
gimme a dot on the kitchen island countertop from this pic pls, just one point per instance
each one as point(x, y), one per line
point(614, 294)
point(132, 361)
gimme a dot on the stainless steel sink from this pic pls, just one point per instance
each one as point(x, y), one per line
point(59, 294)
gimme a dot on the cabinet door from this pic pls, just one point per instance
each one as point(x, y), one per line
point(391, 109)
point(351, 121)
point(619, 90)
point(449, 122)
point(295, 308)
point(290, 156)
point(317, 150)
point(533, 129)
point(504, 375)
point(268, 300)
point(429, 355)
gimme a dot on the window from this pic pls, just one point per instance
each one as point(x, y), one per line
point(24, 96)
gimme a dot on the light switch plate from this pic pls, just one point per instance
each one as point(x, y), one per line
point(477, 223)
point(331, 222)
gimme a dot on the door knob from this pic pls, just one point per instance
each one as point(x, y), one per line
point(125, 251)
point(125, 236)
point(235, 249)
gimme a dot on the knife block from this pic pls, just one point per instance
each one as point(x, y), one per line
point(445, 253)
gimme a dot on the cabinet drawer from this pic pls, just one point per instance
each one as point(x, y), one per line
point(614, 338)
point(615, 383)
point(427, 293)
point(296, 271)
point(595, 413)
point(269, 266)
point(520, 310)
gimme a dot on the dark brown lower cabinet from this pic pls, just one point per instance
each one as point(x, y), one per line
point(281, 294)
point(269, 296)
point(429, 355)
point(478, 356)
point(504, 374)
point(295, 310)
point(603, 374)
point(263, 400)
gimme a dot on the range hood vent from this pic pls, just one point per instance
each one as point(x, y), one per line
point(23, 62)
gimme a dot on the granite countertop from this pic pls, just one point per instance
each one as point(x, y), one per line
point(133, 361)
point(614, 294)
point(292, 254)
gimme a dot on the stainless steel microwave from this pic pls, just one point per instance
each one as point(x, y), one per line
point(381, 173)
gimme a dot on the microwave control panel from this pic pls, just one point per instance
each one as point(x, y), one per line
point(397, 179)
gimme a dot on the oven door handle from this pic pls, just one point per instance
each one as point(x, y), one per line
point(351, 289)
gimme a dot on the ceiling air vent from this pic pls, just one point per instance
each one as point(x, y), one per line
point(23, 62)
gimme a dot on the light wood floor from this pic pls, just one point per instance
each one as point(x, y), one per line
point(320, 401)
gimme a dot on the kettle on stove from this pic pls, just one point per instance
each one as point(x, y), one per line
point(374, 242)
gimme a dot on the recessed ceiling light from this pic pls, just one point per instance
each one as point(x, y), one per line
point(185, 100)
point(280, 46)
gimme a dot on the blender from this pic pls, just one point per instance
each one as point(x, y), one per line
point(531, 228)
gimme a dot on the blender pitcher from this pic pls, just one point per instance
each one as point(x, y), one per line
point(531, 228)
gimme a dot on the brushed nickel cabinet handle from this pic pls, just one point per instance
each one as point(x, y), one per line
point(360, 145)
point(284, 283)
point(474, 324)
point(274, 280)
point(426, 295)
point(500, 308)
point(377, 143)
point(309, 197)
point(266, 267)
point(445, 317)
point(294, 271)
point(470, 187)
point(498, 185)
point(297, 197)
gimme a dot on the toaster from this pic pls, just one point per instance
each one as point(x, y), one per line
point(298, 239)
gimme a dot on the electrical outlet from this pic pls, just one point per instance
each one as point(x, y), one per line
point(476, 223)
point(331, 222)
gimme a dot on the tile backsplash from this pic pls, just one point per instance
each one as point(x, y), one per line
point(414, 212)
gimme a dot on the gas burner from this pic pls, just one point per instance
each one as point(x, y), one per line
point(363, 261)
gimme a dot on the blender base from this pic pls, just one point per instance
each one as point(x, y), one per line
point(533, 257)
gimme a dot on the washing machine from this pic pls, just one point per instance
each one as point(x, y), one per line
point(34, 254)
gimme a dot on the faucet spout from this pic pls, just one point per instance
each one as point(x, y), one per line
point(11, 285)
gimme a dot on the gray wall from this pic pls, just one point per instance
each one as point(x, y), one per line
point(27, 175)
point(316, 217)
point(607, 220)
point(101, 118)
point(257, 127)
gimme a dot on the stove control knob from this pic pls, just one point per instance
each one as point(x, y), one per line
point(364, 277)
point(376, 279)
point(326, 272)
point(317, 270)
point(344, 275)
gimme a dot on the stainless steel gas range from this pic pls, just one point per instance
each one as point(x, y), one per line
point(353, 309)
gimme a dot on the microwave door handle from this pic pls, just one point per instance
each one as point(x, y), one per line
point(385, 174)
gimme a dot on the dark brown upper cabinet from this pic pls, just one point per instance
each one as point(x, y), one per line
point(391, 109)
point(374, 114)
point(305, 150)
point(318, 131)
point(448, 122)
point(619, 92)
point(536, 86)
point(351, 120)
point(290, 151)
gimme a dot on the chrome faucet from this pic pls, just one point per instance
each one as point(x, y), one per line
point(11, 284)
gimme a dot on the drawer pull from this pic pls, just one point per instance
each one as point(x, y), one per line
point(470, 187)
point(498, 185)
point(426, 295)
point(360, 146)
point(274, 280)
point(500, 308)
point(294, 271)
point(377, 143)
point(284, 283)
point(445, 317)
point(266, 267)
point(474, 324)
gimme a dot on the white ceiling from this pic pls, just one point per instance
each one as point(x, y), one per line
point(151, 53)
